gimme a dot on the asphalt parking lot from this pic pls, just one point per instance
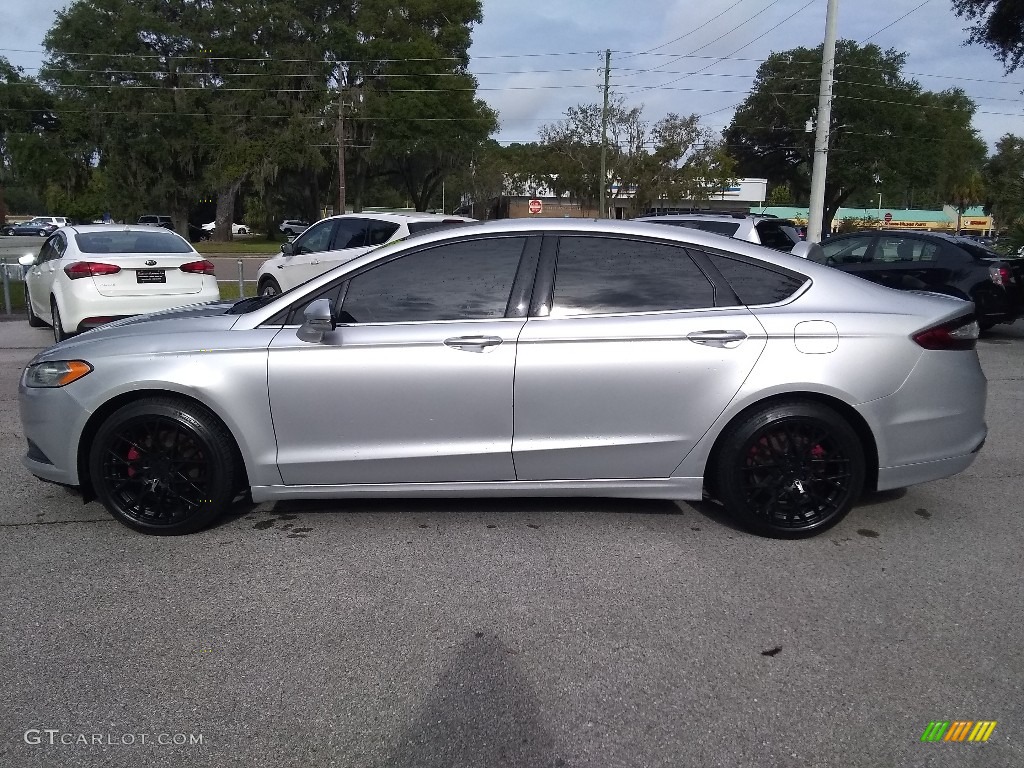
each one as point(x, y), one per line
point(516, 633)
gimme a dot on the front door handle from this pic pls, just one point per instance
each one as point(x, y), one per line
point(715, 338)
point(473, 343)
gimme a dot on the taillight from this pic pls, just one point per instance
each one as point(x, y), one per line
point(1000, 275)
point(81, 269)
point(960, 333)
point(204, 267)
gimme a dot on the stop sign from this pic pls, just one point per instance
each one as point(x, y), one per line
point(888, 217)
point(536, 206)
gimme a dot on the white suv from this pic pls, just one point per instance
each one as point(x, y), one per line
point(338, 239)
point(769, 231)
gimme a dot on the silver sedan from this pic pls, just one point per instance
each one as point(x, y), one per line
point(521, 357)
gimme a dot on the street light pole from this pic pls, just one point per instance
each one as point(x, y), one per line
point(828, 62)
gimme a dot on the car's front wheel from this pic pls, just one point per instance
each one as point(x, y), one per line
point(269, 287)
point(790, 469)
point(33, 318)
point(164, 466)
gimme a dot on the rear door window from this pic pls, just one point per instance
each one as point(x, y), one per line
point(893, 248)
point(604, 275)
point(757, 283)
point(352, 233)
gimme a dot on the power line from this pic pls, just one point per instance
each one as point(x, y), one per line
point(895, 22)
point(683, 37)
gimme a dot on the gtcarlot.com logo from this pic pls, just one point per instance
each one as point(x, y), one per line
point(958, 730)
point(56, 737)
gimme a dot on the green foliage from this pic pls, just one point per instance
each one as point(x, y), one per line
point(999, 26)
point(672, 159)
point(885, 129)
point(781, 194)
point(856, 225)
point(1004, 181)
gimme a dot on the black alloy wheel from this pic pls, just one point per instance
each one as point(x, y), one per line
point(269, 287)
point(163, 466)
point(790, 470)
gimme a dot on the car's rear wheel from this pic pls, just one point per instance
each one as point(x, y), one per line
point(59, 334)
point(269, 287)
point(164, 466)
point(33, 319)
point(790, 469)
point(42, 233)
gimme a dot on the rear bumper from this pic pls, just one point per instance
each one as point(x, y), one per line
point(912, 474)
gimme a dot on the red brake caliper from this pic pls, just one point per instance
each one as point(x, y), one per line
point(133, 455)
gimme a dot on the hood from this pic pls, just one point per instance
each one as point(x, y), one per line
point(196, 318)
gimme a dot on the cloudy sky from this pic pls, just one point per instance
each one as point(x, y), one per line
point(533, 60)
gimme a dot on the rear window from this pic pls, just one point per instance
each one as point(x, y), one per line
point(131, 242)
point(977, 250)
point(726, 228)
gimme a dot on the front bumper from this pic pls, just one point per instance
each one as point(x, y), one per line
point(52, 420)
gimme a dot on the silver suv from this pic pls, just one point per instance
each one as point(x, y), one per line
point(769, 231)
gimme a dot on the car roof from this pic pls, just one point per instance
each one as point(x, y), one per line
point(400, 218)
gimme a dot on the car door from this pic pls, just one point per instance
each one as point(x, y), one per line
point(908, 262)
point(415, 383)
point(41, 276)
point(626, 360)
point(307, 249)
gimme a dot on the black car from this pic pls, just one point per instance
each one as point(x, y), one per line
point(42, 227)
point(930, 261)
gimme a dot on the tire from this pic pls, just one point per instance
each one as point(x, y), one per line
point(269, 287)
point(59, 334)
point(789, 470)
point(164, 466)
point(986, 325)
point(243, 231)
point(41, 233)
point(33, 319)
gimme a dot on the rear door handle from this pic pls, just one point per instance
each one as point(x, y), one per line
point(715, 338)
point(473, 343)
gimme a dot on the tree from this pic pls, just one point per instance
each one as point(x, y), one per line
point(674, 158)
point(1004, 181)
point(999, 26)
point(885, 129)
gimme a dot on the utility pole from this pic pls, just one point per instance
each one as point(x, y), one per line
point(604, 136)
point(821, 137)
point(341, 151)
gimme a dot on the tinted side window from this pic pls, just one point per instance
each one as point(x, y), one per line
point(351, 233)
point(601, 275)
point(315, 239)
point(47, 252)
point(726, 228)
point(380, 232)
point(459, 281)
point(778, 235)
point(756, 284)
point(846, 250)
point(892, 248)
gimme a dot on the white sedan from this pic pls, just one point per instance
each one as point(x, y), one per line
point(236, 229)
point(85, 276)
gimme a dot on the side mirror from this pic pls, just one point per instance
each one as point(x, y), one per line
point(288, 249)
point(28, 260)
point(318, 320)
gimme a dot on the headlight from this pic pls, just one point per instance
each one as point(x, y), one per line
point(56, 373)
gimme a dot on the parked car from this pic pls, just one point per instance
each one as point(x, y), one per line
point(41, 226)
point(293, 227)
point(772, 232)
point(337, 239)
point(236, 229)
point(661, 361)
point(931, 261)
point(156, 220)
point(85, 276)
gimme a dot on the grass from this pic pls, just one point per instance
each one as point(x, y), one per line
point(248, 245)
point(229, 289)
point(17, 289)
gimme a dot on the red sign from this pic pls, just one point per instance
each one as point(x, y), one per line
point(536, 206)
point(888, 217)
